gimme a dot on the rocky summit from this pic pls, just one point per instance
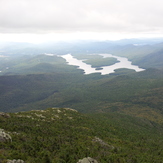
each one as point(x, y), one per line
point(64, 135)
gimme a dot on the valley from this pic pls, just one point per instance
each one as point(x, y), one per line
point(42, 93)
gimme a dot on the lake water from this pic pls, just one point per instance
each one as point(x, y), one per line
point(88, 69)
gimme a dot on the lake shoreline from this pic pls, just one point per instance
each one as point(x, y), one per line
point(104, 70)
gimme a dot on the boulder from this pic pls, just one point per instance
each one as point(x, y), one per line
point(4, 136)
point(15, 161)
point(5, 115)
point(87, 160)
point(100, 141)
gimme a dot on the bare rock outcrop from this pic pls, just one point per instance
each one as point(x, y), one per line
point(4, 136)
point(5, 115)
point(100, 141)
point(87, 160)
point(15, 161)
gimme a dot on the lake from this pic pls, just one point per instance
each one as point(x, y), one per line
point(88, 69)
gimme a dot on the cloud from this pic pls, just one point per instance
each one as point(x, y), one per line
point(64, 16)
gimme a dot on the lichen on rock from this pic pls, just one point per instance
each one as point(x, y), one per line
point(87, 160)
point(15, 161)
point(4, 136)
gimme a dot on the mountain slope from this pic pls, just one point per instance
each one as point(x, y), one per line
point(87, 93)
point(152, 60)
point(63, 135)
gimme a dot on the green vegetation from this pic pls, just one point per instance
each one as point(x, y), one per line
point(152, 60)
point(138, 92)
point(62, 135)
point(100, 62)
point(96, 60)
point(121, 114)
point(35, 65)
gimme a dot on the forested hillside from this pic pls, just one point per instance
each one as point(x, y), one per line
point(138, 94)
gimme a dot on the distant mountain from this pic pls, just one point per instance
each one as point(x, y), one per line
point(16, 48)
point(28, 64)
point(75, 47)
point(139, 42)
point(152, 60)
point(150, 73)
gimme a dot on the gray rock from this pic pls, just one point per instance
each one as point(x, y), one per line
point(5, 115)
point(4, 136)
point(100, 141)
point(87, 160)
point(15, 161)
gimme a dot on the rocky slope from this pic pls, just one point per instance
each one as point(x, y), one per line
point(63, 135)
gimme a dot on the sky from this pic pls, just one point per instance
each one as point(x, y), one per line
point(43, 20)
